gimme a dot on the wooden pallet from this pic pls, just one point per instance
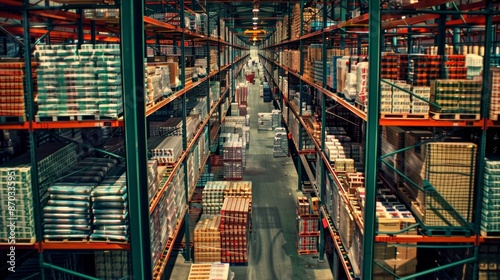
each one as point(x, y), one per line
point(19, 241)
point(66, 240)
point(404, 116)
point(61, 118)
point(455, 116)
point(307, 252)
point(12, 119)
point(490, 234)
point(448, 232)
point(108, 240)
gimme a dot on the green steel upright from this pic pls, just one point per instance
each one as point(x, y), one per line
point(485, 101)
point(321, 183)
point(372, 137)
point(301, 72)
point(134, 114)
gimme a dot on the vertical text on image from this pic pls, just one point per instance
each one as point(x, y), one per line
point(11, 207)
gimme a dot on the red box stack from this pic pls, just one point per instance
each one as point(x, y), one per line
point(234, 228)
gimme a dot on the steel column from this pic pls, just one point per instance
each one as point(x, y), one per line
point(132, 49)
point(372, 137)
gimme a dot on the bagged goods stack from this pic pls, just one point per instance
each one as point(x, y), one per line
point(234, 162)
point(490, 223)
point(79, 82)
point(15, 187)
point(207, 240)
point(495, 95)
point(72, 195)
point(110, 211)
point(165, 150)
point(234, 227)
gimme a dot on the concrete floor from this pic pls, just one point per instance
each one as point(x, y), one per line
point(273, 253)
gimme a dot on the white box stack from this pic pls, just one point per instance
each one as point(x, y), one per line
point(419, 106)
point(401, 100)
point(385, 98)
point(166, 150)
point(495, 95)
point(265, 121)
point(276, 119)
point(280, 147)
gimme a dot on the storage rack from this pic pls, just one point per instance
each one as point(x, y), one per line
point(135, 29)
point(368, 30)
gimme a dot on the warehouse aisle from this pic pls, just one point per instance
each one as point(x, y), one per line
point(272, 253)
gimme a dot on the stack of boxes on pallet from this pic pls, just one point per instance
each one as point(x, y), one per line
point(457, 99)
point(307, 225)
point(207, 239)
point(488, 261)
point(16, 205)
point(166, 150)
point(112, 264)
point(234, 228)
point(12, 90)
point(167, 214)
point(214, 271)
point(213, 196)
point(158, 82)
point(495, 95)
point(308, 15)
point(241, 100)
point(80, 83)
point(234, 159)
point(265, 121)
point(280, 147)
point(490, 221)
point(109, 209)
point(72, 196)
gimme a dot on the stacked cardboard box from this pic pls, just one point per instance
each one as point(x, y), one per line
point(280, 147)
point(215, 271)
point(166, 150)
point(419, 106)
point(207, 239)
point(422, 69)
point(234, 227)
point(457, 96)
point(490, 223)
point(12, 90)
point(15, 188)
point(158, 81)
point(112, 264)
point(307, 225)
point(213, 196)
point(495, 95)
point(234, 160)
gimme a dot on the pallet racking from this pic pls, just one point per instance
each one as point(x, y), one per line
point(392, 32)
point(138, 34)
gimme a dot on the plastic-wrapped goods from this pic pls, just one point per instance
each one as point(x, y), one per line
point(165, 150)
point(110, 211)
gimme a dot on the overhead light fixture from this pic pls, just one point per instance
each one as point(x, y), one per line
point(254, 23)
point(255, 8)
point(255, 39)
point(255, 17)
point(255, 28)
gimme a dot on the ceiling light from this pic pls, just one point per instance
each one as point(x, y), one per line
point(255, 8)
point(255, 18)
point(255, 28)
point(254, 23)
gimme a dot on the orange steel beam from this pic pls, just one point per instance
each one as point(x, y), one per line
point(408, 21)
point(84, 246)
point(428, 239)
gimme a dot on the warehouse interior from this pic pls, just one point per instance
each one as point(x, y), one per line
point(260, 139)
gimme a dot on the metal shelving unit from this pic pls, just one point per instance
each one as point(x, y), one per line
point(135, 29)
point(373, 31)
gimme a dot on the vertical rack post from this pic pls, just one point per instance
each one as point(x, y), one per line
point(322, 181)
point(485, 101)
point(134, 114)
point(372, 139)
point(301, 72)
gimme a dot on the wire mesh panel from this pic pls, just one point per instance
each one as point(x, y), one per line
point(449, 181)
